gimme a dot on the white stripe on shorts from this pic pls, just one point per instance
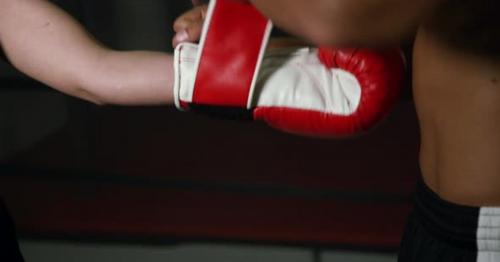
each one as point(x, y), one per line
point(488, 235)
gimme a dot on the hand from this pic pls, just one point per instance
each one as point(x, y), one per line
point(197, 2)
point(189, 25)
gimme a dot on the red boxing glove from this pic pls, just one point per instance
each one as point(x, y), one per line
point(316, 92)
point(365, 87)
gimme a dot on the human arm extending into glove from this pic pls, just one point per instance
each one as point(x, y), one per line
point(351, 23)
point(48, 45)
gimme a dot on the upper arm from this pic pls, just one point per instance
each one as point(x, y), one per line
point(347, 22)
point(46, 43)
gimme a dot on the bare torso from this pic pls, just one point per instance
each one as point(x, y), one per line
point(457, 98)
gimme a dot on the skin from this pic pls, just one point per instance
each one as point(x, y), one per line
point(188, 28)
point(341, 23)
point(326, 22)
point(47, 44)
point(189, 25)
point(457, 94)
point(457, 97)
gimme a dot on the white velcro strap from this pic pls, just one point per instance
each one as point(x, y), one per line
point(184, 73)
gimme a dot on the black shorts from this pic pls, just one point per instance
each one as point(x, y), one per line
point(9, 249)
point(438, 230)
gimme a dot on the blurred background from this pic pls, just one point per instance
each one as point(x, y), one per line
point(101, 183)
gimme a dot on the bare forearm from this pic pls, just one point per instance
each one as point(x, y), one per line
point(347, 22)
point(47, 44)
point(132, 78)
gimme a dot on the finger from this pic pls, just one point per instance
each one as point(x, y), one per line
point(180, 37)
point(183, 21)
point(191, 33)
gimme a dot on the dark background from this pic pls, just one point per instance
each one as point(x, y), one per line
point(73, 170)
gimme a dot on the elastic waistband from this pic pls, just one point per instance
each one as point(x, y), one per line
point(475, 228)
